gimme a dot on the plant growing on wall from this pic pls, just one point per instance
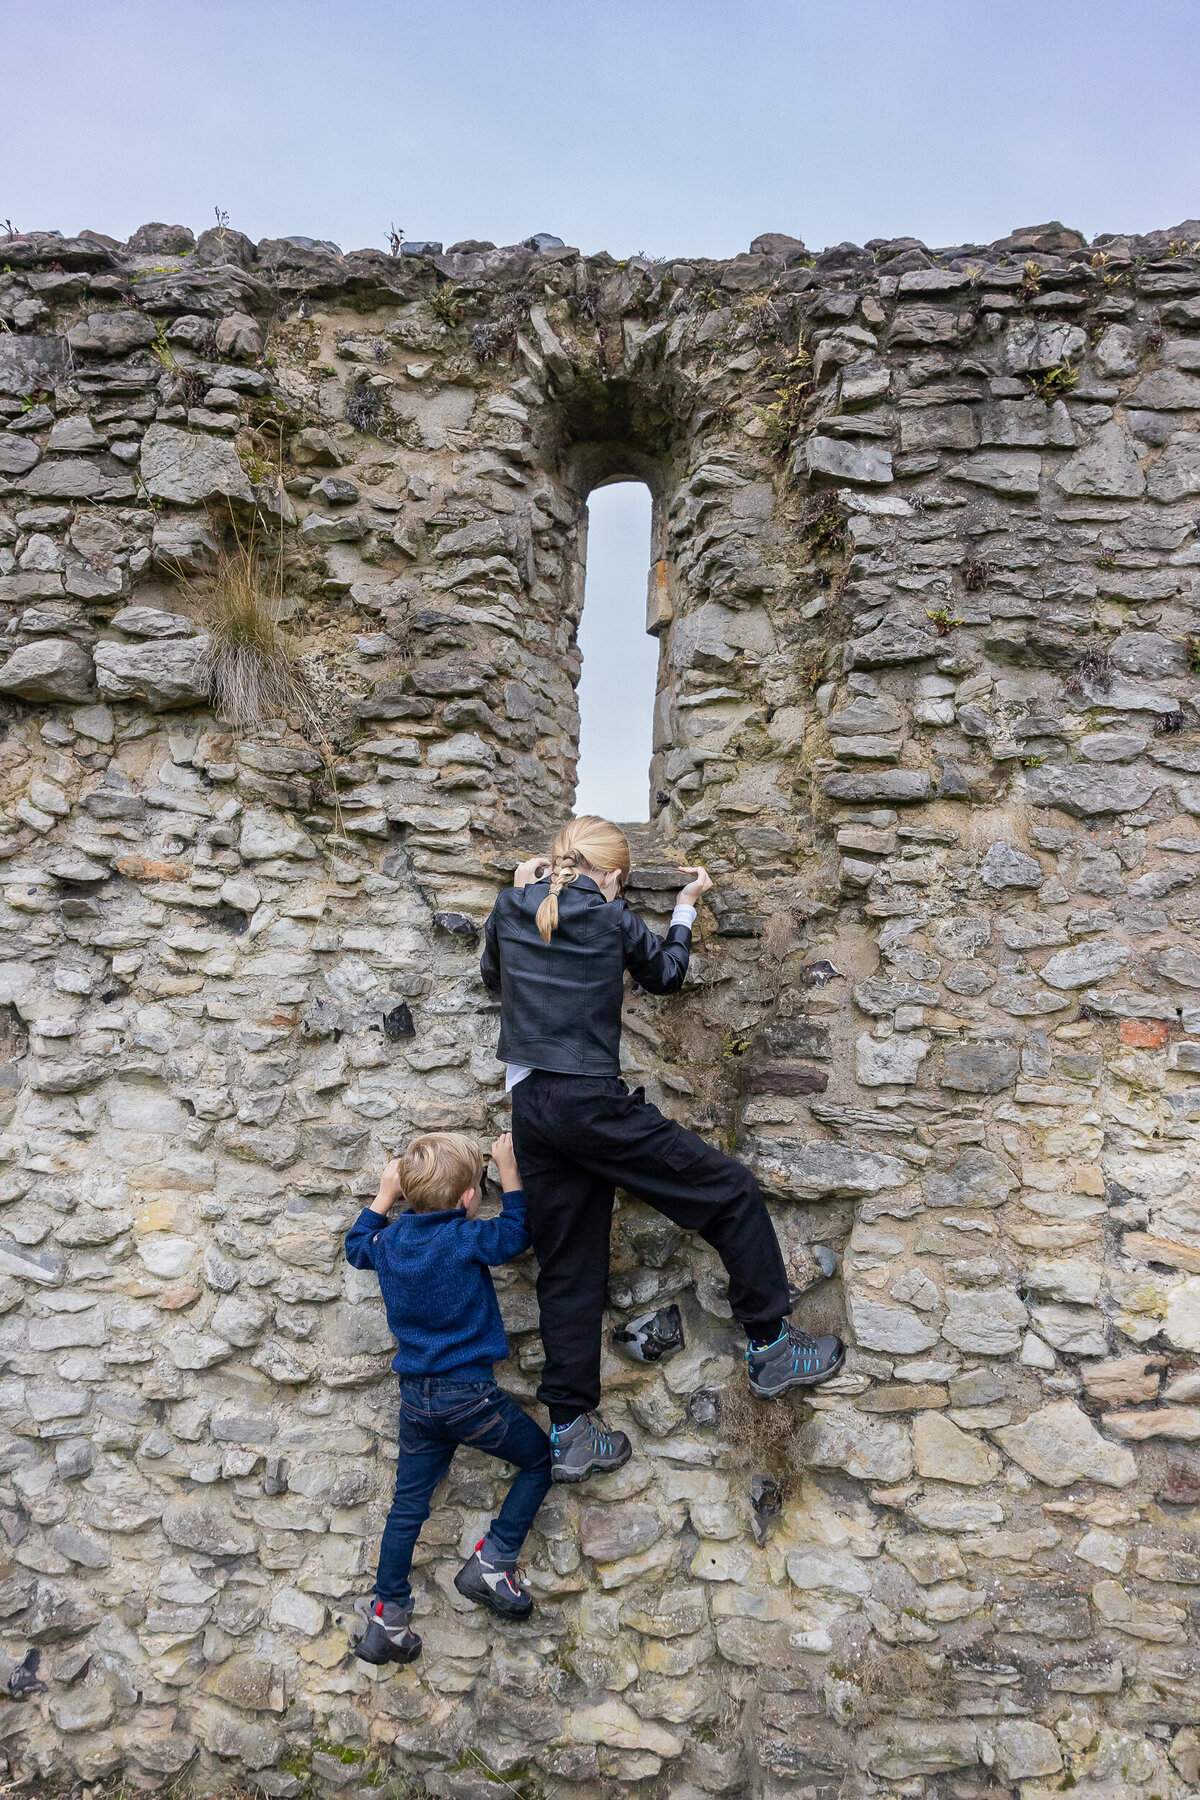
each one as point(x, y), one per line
point(793, 385)
point(1055, 382)
point(252, 663)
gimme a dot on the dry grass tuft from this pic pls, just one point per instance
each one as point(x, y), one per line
point(913, 1683)
point(760, 1430)
point(253, 667)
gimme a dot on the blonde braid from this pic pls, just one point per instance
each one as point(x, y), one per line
point(563, 871)
point(587, 843)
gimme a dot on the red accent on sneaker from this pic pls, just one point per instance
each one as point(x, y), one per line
point(378, 1609)
point(479, 1547)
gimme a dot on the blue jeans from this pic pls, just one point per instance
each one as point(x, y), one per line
point(438, 1414)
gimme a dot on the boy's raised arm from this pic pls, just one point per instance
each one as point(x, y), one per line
point(499, 1240)
point(360, 1239)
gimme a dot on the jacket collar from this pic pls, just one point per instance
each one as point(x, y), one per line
point(581, 881)
point(426, 1221)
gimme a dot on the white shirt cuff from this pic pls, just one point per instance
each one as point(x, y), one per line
point(684, 915)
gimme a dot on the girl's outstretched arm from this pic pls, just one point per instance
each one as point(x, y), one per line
point(489, 962)
point(656, 964)
point(660, 964)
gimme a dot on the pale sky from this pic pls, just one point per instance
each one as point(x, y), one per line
point(620, 662)
point(673, 127)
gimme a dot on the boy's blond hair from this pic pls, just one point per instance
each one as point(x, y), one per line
point(437, 1169)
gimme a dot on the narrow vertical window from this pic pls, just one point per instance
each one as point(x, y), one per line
point(620, 662)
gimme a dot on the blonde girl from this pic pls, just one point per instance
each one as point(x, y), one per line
point(558, 944)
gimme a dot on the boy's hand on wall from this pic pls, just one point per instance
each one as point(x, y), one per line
point(506, 1163)
point(389, 1189)
point(700, 884)
point(532, 869)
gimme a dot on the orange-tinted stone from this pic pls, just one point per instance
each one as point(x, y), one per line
point(1144, 1034)
point(138, 868)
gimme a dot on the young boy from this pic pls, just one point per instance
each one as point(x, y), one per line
point(432, 1263)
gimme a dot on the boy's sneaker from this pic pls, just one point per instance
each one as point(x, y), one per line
point(388, 1637)
point(587, 1447)
point(794, 1360)
point(492, 1585)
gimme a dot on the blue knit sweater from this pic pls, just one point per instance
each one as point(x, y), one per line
point(433, 1273)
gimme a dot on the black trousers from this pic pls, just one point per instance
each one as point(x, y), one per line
point(577, 1137)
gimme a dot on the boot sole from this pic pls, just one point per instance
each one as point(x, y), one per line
point(391, 1655)
point(388, 1652)
point(483, 1596)
point(593, 1468)
point(797, 1381)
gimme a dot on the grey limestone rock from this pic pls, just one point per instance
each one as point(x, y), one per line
point(151, 622)
point(1180, 964)
point(1113, 746)
point(1149, 654)
point(1032, 345)
point(939, 428)
point(979, 1068)
point(157, 239)
point(864, 716)
point(872, 1449)
point(30, 364)
point(76, 433)
point(878, 996)
point(893, 786)
point(17, 454)
point(1026, 423)
point(76, 478)
point(896, 1329)
point(608, 1533)
point(1004, 866)
point(1090, 793)
point(984, 1322)
point(881, 1061)
point(357, 1331)
point(50, 669)
point(901, 642)
point(1085, 963)
point(1176, 474)
point(1166, 390)
point(191, 468)
point(1059, 1445)
point(837, 459)
point(1003, 471)
point(202, 1525)
point(111, 334)
point(1116, 354)
point(239, 335)
point(264, 837)
point(1107, 466)
point(819, 1169)
point(976, 1178)
point(164, 672)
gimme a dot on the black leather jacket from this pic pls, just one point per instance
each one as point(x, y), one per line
point(560, 1003)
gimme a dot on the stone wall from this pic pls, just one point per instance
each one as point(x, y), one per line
point(929, 709)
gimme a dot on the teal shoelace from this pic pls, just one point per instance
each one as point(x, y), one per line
point(602, 1444)
point(601, 1437)
point(803, 1355)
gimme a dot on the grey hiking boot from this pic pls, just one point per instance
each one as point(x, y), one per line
point(388, 1637)
point(587, 1447)
point(794, 1360)
point(490, 1583)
